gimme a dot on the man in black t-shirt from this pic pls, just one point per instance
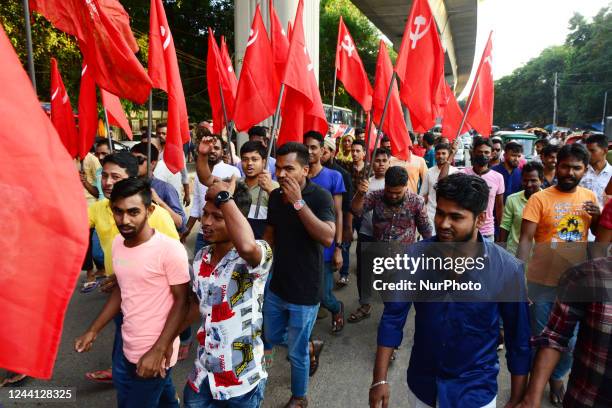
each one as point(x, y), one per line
point(301, 221)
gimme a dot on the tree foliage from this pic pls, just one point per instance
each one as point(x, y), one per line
point(584, 72)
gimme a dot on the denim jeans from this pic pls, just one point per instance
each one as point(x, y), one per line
point(364, 282)
point(543, 301)
point(204, 398)
point(134, 391)
point(346, 259)
point(329, 301)
point(96, 250)
point(294, 322)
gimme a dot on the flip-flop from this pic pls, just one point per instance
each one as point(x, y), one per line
point(183, 352)
point(90, 286)
point(100, 376)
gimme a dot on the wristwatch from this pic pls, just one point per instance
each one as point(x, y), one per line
point(299, 204)
point(223, 197)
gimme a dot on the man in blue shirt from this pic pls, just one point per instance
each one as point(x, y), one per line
point(430, 152)
point(509, 169)
point(330, 180)
point(164, 194)
point(454, 361)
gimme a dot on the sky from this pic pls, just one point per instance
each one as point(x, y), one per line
point(523, 28)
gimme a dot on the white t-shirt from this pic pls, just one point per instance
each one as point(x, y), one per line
point(221, 170)
point(366, 223)
point(176, 180)
point(428, 188)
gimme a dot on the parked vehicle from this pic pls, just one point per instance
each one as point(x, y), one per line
point(527, 140)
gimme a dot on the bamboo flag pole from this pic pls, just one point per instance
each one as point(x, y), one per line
point(382, 120)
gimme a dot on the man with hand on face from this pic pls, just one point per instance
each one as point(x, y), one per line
point(164, 194)
point(253, 163)
point(453, 362)
point(481, 156)
point(152, 273)
point(227, 298)
point(510, 229)
point(509, 169)
point(331, 181)
point(116, 167)
point(557, 218)
point(212, 157)
point(301, 222)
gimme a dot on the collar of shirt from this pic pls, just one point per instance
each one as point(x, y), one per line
point(607, 170)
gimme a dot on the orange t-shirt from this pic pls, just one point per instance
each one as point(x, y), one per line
point(561, 224)
point(416, 168)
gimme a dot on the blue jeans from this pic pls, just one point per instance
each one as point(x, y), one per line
point(96, 250)
point(134, 391)
point(294, 322)
point(539, 313)
point(346, 259)
point(329, 301)
point(204, 398)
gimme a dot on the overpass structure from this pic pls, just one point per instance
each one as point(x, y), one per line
point(456, 19)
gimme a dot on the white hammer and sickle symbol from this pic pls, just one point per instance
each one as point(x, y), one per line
point(417, 35)
point(348, 45)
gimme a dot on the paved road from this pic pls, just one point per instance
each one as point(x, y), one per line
point(342, 380)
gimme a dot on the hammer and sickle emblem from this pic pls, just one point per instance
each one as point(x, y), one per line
point(348, 46)
point(418, 34)
point(166, 43)
point(252, 38)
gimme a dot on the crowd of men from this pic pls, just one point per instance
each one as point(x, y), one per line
point(275, 232)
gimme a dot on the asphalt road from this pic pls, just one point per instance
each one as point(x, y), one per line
point(343, 379)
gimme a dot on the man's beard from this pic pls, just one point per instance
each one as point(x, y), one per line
point(567, 186)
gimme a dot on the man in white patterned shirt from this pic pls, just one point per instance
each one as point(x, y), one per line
point(230, 276)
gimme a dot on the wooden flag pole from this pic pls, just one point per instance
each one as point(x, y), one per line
point(149, 125)
point(333, 104)
point(382, 120)
point(367, 139)
point(271, 142)
point(467, 107)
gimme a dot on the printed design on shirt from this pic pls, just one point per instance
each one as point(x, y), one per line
point(570, 225)
point(239, 286)
point(242, 355)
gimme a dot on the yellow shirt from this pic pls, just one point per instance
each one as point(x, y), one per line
point(416, 168)
point(101, 218)
point(91, 164)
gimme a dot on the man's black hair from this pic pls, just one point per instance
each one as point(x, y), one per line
point(132, 186)
point(254, 146)
point(550, 149)
point(543, 142)
point(513, 147)
point(469, 192)
point(313, 134)
point(385, 139)
point(442, 146)
point(396, 176)
point(142, 149)
point(242, 198)
point(600, 140)
point(124, 160)
point(382, 151)
point(359, 131)
point(103, 142)
point(534, 166)
point(479, 141)
point(202, 132)
point(429, 138)
point(412, 137)
point(576, 151)
point(301, 152)
point(258, 131)
point(161, 125)
point(359, 142)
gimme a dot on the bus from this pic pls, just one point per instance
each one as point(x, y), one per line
point(343, 120)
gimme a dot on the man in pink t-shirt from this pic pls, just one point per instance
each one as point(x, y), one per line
point(152, 275)
point(481, 155)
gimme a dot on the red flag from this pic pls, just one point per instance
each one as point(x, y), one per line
point(420, 65)
point(258, 87)
point(61, 112)
point(43, 205)
point(217, 79)
point(88, 112)
point(115, 112)
point(164, 72)
point(480, 112)
point(395, 125)
point(452, 116)
point(350, 69)
point(280, 41)
point(103, 44)
point(289, 31)
point(303, 110)
point(227, 65)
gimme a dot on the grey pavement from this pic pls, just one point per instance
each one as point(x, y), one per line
point(343, 378)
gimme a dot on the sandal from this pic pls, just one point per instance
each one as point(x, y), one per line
point(183, 352)
point(269, 358)
point(338, 320)
point(342, 282)
point(556, 396)
point(317, 348)
point(360, 314)
point(90, 286)
point(101, 376)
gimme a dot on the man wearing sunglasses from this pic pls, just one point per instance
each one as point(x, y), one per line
point(164, 194)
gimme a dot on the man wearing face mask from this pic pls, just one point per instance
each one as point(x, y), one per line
point(481, 155)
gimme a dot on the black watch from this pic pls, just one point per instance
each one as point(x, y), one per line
point(222, 197)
